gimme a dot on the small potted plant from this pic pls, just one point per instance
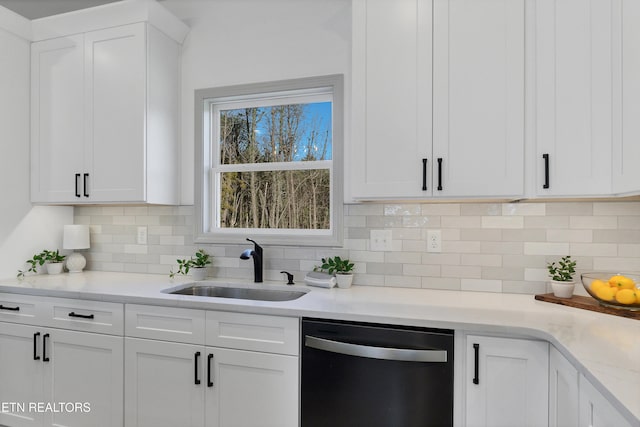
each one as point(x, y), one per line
point(561, 275)
point(197, 265)
point(52, 259)
point(341, 268)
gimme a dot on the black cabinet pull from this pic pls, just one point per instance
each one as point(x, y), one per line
point(77, 188)
point(424, 174)
point(86, 193)
point(16, 308)
point(439, 174)
point(476, 356)
point(35, 346)
point(44, 348)
point(546, 170)
point(196, 356)
point(209, 380)
point(82, 316)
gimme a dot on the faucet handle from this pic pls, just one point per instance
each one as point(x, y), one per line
point(289, 278)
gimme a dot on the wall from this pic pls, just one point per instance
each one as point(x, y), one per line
point(24, 229)
point(485, 247)
point(245, 41)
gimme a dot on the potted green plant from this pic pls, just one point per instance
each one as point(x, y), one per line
point(561, 275)
point(52, 259)
point(197, 265)
point(341, 268)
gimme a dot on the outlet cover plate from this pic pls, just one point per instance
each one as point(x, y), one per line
point(380, 240)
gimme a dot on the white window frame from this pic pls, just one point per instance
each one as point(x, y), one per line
point(209, 102)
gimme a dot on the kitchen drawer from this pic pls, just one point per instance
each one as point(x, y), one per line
point(21, 309)
point(82, 315)
point(165, 323)
point(271, 334)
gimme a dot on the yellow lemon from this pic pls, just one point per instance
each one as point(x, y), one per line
point(636, 292)
point(626, 283)
point(626, 296)
point(605, 293)
point(597, 284)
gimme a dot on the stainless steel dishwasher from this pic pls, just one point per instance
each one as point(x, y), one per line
point(362, 374)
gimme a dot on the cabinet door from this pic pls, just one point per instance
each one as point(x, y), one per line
point(391, 120)
point(512, 382)
point(84, 368)
point(160, 384)
point(626, 173)
point(563, 391)
point(115, 90)
point(252, 389)
point(574, 97)
point(20, 374)
point(57, 119)
point(595, 410)
point(478, 97)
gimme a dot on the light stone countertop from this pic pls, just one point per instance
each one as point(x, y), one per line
point(605, 348)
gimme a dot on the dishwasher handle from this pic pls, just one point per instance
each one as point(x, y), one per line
point(384, 353)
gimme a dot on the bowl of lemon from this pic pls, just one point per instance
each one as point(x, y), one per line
point(618, 290)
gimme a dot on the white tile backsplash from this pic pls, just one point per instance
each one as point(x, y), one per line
point(489, 247)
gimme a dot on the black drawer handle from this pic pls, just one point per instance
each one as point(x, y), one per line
point(86, 192)
point(439, 174)
point(16, 308)
point(195, 363)
point(424, 174)
point(77, 189)
point(209, 379)
point(81, 316)
point(476, 357)
point(546, 170)
point(35, 346)
point(44, 348)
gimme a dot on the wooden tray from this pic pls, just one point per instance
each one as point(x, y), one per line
point(588, 303)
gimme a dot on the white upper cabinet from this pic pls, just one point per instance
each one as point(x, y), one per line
point(105, 107)
point(438, 99)
point(574, 42)
point(626, 146)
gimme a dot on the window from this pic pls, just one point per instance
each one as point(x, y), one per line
point(269, 162)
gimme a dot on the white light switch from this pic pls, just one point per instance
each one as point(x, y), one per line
point(434, 240)
point(380, 240)
point(142, 235)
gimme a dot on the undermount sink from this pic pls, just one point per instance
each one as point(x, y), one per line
point(254, 294)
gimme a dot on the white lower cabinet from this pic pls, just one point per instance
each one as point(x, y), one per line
point(189, 384)
point(596, 410)
point(563, 391)
point(506, 382)
point(60, 378)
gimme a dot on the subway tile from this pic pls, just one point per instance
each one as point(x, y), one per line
point(416, 221)
point(440, 209)
point(480, 209)
point(523, 287)
point(502, 222)
point(593, 249)
point(368, 279)
point(446, 283)
point(546, 222)
point(365, 209)
point(402, 210)
point(378, 221)
point(536, 274)
point(366, 256)
point(616, 208)
point(112, 210)
point(570, 236)
point(414, 246)
point(569, 208)
point(300, 253)
point(486, 234)
point(502, 273)
point(101, 219)
point(525, 235)
point(616, 236)
point(162, 210)
point(461, 221)
point(384, 268)
point(159, 230)
point(522, 261)
point(403, 257)
point(537, 248)
point(420, 270)
point(523, 209)
point(147, 258)
point(488, 260)
point(616, 264)
point(593, 222)
point(136, 210)
point(629, 250)
point(481, 285)
point(124, 258)
point(510, 248)
point(235, 262)
point(629, 222)
point(82, 220)
point(124, 238)
point(170, 220)
point(448, 234)
point(358, 233)
point(441, 259)
point(461, 271)
point(124, 220)
point(171, 240)
point(403, 281)
point(462, 247)
point(135, 249)
point(136, 268)
point(405, 234)
point(355, 221)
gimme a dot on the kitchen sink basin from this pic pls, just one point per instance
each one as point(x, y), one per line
point(254, 294)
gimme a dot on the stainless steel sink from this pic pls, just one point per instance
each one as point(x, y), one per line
point(254, 294)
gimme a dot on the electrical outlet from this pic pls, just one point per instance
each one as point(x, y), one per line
point(380, 240)
point(434, 240)
point(142, 236)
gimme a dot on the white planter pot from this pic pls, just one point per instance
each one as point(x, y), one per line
point(198, 273)
point(344, 280)
point(54, 267)
point(563, 289)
